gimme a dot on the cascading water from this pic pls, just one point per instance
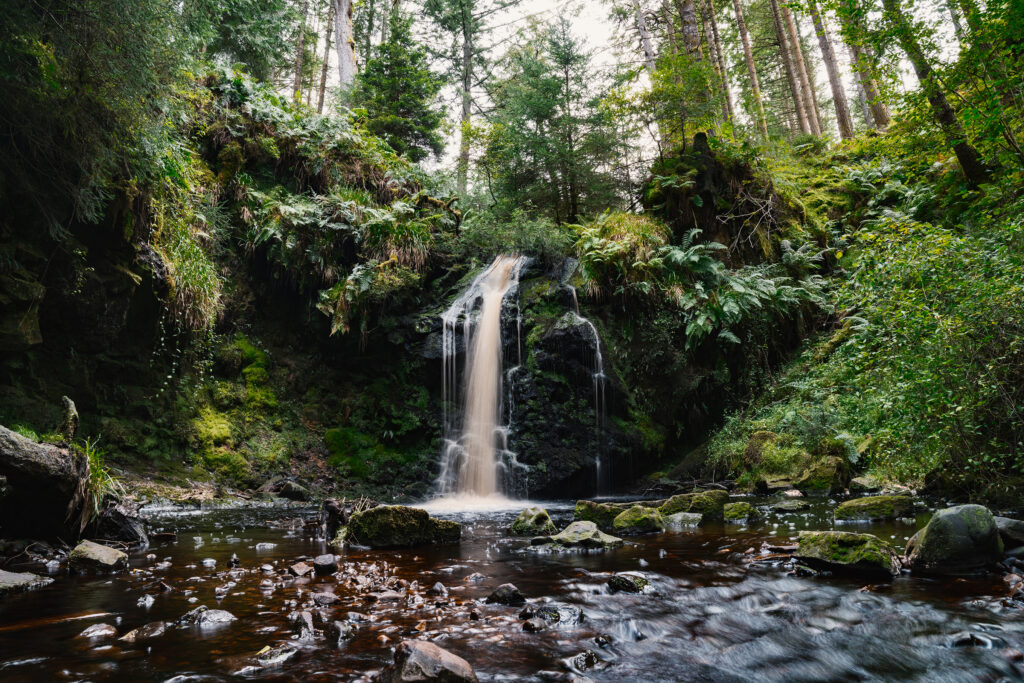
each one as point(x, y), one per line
point(475, 446)
point(599, 381)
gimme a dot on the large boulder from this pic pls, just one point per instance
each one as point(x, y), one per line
point(120, 522)
point(958, 540)
point(638, 520)
point(740, 512)
point(843, 552)
point(875, 508)
point(1011, 531)
point(533, 521)
point(14, 582)
point(397, 526)
point(601, 514)
point(582, 535)
point(89, 556)
point(825, 476)
point(711, 504)
point(422, 662)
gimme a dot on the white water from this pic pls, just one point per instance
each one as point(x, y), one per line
point(475, 448)
point(598, 378)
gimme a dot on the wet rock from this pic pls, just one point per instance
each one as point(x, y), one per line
point(438, 589)
point(984, 641)
point(475, 577)
point(338, 631)
point(740, 512)
point(214, 617)
point(844, 552)
point(875, 508)
point(865, 484)
point(14, 582)
point(958, 540)
point(563, 615)
point(533, 521)
point(397, 526)
point(1011, 531)
point(300, 569)
point(506, 594)
point(269, 658)
point(792, 493)
point(120, 522)
point(583, 535)
point(152, 630)
point(192, 616)
point(627, 583)
point(683, 520)
point(302, 624)
point(638, 520)
point(791, 506)
point(534, 625)
point(826, 475)
point(293, 491)
point(92, 556)
point(326, 599)
point(711, 504)
point(325, 565)
point(601, 514)
point(98, 631)
point(772, 485)
point(585, 661)
point(420, 661)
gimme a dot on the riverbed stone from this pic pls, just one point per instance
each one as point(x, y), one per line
point(601, 514)
point(740, 511)
point(627, 583)
point(15, 582)
point(865, 483)
point(875, 508)
point(325, 565)
point(582, 534)
point(507, 594)
point(533, 521)
point(845, 552)
point(214, 617)
point(959, 540)
point(638, 520)
point(824, 476)
point(151, 630)
point(711, 504)
point(88, 555)
point(1011, 531)
point(423, 662)
point(683, 520)
point(97, 631)
point(292, 491)
point(793, 505)
point(398, 526)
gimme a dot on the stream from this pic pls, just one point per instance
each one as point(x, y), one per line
point(722, 606)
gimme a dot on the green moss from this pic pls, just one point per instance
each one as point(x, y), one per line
point(600, 514)
point(396, 526)
point(533, 521)
point(212, 428)
point(711, 504)
point(826, 475)
point(847, 552)
point(638, 520)
point(875, 508)
point(740, 511)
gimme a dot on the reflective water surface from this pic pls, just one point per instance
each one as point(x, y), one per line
point(724, 605)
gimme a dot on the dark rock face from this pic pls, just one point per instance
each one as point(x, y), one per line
point(1011, 531)
point(958, 540)
point(293, 491)
point(424, 662)
point(120, 522)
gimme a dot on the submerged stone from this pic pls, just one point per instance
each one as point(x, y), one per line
point(865, 484)
point(601, 514)
point(638, 520)
point(533, 521)
point(958, 540)
point(711, 504)
point(826, 475)
point(397, 526)
point(848, 553)
point(152, 630)
point(875, 508)
point(98, 631)
point(791, 506)
point(420, 661)
point(93, 556)
point(741, 511)
point(583, 535)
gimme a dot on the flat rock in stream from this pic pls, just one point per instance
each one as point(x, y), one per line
point(92, 556)
point(711, 504)
point(151, 630)
point(844, 552)
point(14, 582)
point(580, 535)
point(423, 662)
point(875, 508)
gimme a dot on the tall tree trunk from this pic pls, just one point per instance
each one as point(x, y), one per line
point(345, 45)
point(670, 26)
point(810, 97)
point(691, 34)
point(786, 54)
point(958, 27)
point(865, 73)
point(828, 55)
point(708, 14)
point(300, 49)
point(462, 167)
point(327, 60)
point(862, 96)
point(640, 19)
point(970, 161)
point(755, 85)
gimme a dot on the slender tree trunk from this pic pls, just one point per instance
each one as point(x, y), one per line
point(366, 49)
point(327, 60)
point(708, 13)
point(300, 49)
point(645, 38)
point(970, 161)
point(828, 55)
point(345, 45)
point(691, 34)
point(670, 26)
point(865, 74)
point(806, 85)
point(862, 96)
point(755, 86)
point(462, 169)
point(786, 54)
point(958, 27)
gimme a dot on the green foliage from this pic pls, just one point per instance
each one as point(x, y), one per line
point(102, 482)
point(486, 233)
point(255, 33)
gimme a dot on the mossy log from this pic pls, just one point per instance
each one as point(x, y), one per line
point(44, 490)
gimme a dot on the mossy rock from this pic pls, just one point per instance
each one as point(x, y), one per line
point(599, 513)
point(865, 483)
point(958, 540)
point(397, 526)
point(844, 552)
point(627, 583)
point(638, 520)
point(826, 475)
point(791, 505)
point(533, 521)
point(875, 508)
point(753, 454)
point(582, 534)
point(711, 504)
point(683, 520)
point(741, 511)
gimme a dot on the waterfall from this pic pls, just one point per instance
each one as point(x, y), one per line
point(598, 379)
point(475, 445)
